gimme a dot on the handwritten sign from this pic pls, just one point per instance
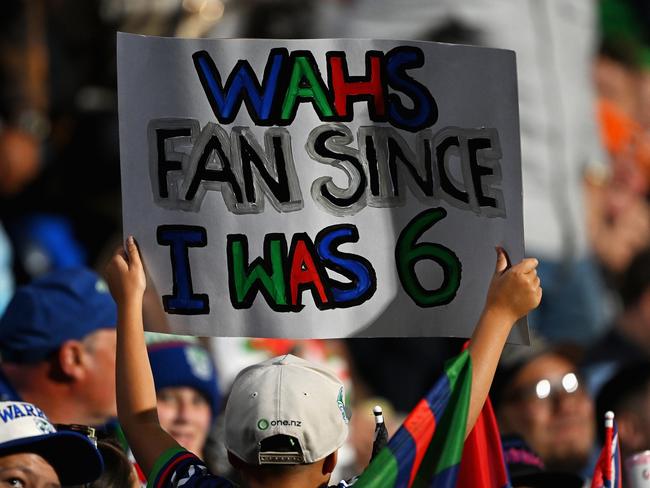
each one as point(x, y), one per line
point(319, 188)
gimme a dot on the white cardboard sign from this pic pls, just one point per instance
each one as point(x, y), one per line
point(319, 188)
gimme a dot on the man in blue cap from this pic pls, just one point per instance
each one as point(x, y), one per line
point(57, 345)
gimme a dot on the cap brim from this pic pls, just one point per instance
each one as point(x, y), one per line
point(548, 479)
point(73, 456)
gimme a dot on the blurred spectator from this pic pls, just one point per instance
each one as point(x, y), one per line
point(57, 342)
point(627, 394)
point(187, 391)
point(59, 151)
point(629, 339)
point(118, 471)
point(34, 454)
point(538, 394)
point(399, 370)
point(619, 212)
point(58, 118)
point(527, 470)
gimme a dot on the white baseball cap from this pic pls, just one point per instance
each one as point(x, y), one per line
point(288, 397)
point(24, 428)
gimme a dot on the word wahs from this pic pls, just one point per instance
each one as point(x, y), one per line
point(293, 78)
point(283, 273)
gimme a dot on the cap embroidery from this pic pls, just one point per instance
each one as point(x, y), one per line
point(199, 362)
point(44, 426)
point(341, 403)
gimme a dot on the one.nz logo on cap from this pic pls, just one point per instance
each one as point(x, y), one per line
point(264, 424)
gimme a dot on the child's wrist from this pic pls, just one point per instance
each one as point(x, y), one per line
point(500, 316)
point(132, 301)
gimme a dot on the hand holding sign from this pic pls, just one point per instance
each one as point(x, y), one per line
point(514, 290)
point(125, 274)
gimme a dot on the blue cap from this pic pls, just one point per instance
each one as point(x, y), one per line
point(185, 364)
point(63, 305)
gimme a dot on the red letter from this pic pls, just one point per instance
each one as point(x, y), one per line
point(304, 271)
point(357, 87)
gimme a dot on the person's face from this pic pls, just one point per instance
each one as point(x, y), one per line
point(27, 470)
point(547, 405)
point(99, 387)
point(186, 415)
point(633, 418)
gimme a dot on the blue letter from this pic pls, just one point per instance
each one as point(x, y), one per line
point(242, 84)
point(179, 238)
point(363, 281)
point(425, 111)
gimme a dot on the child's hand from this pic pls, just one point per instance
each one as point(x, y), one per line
point(125, 274)
point(514, 291)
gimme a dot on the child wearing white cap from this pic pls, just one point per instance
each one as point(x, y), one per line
point(286, 417)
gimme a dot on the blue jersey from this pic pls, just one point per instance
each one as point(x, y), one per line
point(178, 468)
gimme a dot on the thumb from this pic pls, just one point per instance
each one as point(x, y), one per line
point(133, 252)
point(502, 260)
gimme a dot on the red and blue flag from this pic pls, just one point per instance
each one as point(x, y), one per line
point(607, 473)
point(416, 457)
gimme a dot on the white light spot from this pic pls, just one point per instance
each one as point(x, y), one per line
point(543, 389)
point(570, 382)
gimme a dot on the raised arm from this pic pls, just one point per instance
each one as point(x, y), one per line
point(136, 394)
point(513, 292)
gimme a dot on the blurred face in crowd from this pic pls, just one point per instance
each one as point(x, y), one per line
point(27, 470)
point(547, 405)
point(186, 415)
point(633, 419)
point(98, 387)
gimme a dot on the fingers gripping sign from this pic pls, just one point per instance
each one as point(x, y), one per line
point(514, 290)
point(125, 274)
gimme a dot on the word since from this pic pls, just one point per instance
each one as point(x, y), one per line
point(283, 273)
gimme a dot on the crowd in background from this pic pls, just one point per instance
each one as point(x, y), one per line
point(584, 92)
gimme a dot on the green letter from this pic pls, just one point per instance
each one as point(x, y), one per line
point(408, 252)
point(245, 279)
point(305, 83)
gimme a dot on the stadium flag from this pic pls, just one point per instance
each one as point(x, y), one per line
point(483, 463)
point(607, 473)
point(427, 449)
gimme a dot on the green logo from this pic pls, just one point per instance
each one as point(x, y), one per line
point(263, 424)
point(44, 427)
point(199, 362)
point(341, 403)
